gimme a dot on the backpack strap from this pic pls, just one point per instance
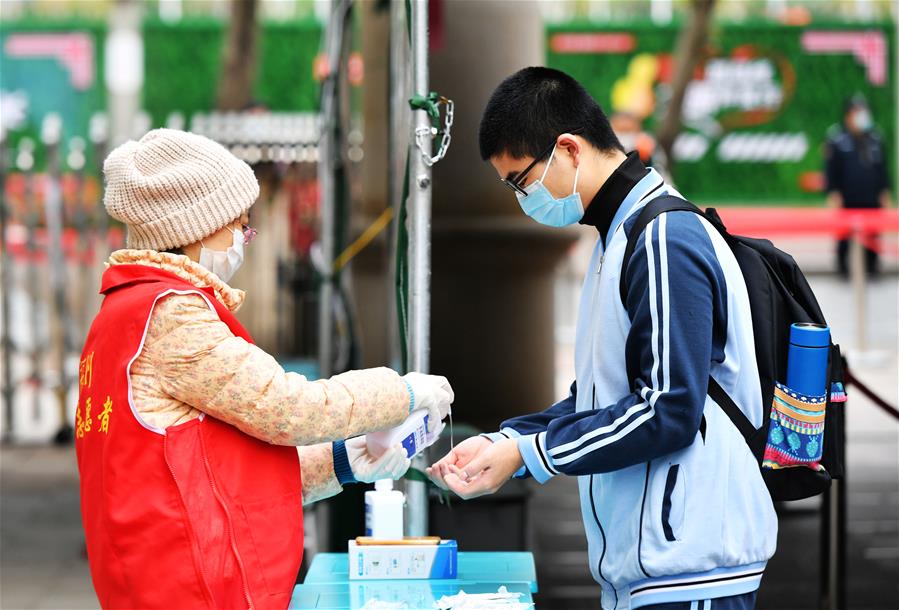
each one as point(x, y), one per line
point(731, 409)
point(660, 205)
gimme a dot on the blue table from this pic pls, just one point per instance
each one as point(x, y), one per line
point(327, 583)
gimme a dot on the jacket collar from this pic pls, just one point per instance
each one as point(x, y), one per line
point(128, 267)
point(604, 207)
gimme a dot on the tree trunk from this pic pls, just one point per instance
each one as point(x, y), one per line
point(692, 40)
point(239, 65)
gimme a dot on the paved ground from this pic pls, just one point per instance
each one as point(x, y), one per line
point(42, 565)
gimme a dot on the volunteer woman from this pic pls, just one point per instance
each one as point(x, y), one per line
point(191, 493)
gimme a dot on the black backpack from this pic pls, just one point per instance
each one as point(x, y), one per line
point(779, 295)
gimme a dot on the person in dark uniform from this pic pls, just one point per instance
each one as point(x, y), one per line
point(856, 172)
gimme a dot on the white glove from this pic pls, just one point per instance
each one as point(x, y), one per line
point(392, 464)
point(431, 392)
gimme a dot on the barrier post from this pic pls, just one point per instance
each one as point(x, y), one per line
point(859, 288)
point(833, 545)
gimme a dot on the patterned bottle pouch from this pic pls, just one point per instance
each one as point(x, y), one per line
point(796, 430)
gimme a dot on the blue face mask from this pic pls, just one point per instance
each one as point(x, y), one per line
point(540, 205)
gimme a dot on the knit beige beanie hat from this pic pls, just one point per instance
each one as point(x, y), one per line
point(173, 188)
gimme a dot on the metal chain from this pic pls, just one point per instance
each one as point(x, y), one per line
point(430, 132)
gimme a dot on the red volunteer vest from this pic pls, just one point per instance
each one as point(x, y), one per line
point(198, 515)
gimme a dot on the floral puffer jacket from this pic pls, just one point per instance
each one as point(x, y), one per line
point(191, 363)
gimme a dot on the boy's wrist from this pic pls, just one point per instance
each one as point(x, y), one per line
point(535, 457)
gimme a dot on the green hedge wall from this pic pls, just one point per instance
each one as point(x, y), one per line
point(181, 70)
point(821, 83)
point(183, 63)
point(46, 83)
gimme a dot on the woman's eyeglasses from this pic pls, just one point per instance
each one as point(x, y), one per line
point(249, 233)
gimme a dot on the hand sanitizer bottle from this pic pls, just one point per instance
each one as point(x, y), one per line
point(412, 434)
point(384, 511)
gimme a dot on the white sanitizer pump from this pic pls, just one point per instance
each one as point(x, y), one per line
point(384, 511)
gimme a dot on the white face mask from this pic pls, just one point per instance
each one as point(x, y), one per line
point(862, 120)
point(224, 263)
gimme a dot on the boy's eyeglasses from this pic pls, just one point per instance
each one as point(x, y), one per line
point(516, 183)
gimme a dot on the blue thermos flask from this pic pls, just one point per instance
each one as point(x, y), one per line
point(807, 359)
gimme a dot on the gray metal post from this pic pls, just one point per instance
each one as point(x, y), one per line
point(99, 136)
point(52, 136)
point(25, 164)
point(84, 272)
point(327, 185)
point(832, 563)
point(859, 288)
point(836, 584)
point(5, 277)
point(419, 251)
point(398, 145)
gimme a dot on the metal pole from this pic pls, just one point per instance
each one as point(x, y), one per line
point(99, 136)
point(51, 136)
point(419, 251)
point(25, 164)
point(836, 567)
point(398, 146)
point(5, 275)
point(328, 186)
point(81, 221)
point(857, 273)
point(833, 545)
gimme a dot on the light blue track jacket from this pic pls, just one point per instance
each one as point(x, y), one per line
point(673, 502)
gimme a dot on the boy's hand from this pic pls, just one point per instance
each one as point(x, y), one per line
point(487, 472)
point(460, 456)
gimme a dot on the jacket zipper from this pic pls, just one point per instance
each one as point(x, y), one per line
point(602, 555)
point(243, 572)
point(602, 532)
point(175, 479)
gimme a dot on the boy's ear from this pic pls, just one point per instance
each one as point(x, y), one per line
point(569, 145)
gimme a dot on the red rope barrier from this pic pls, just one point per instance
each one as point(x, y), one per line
point(840, 223)
point(877, 400)
point(866, 224)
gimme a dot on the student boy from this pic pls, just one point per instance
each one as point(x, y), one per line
point(675, 510)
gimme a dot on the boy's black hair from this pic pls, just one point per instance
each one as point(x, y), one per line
point(531, 108)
